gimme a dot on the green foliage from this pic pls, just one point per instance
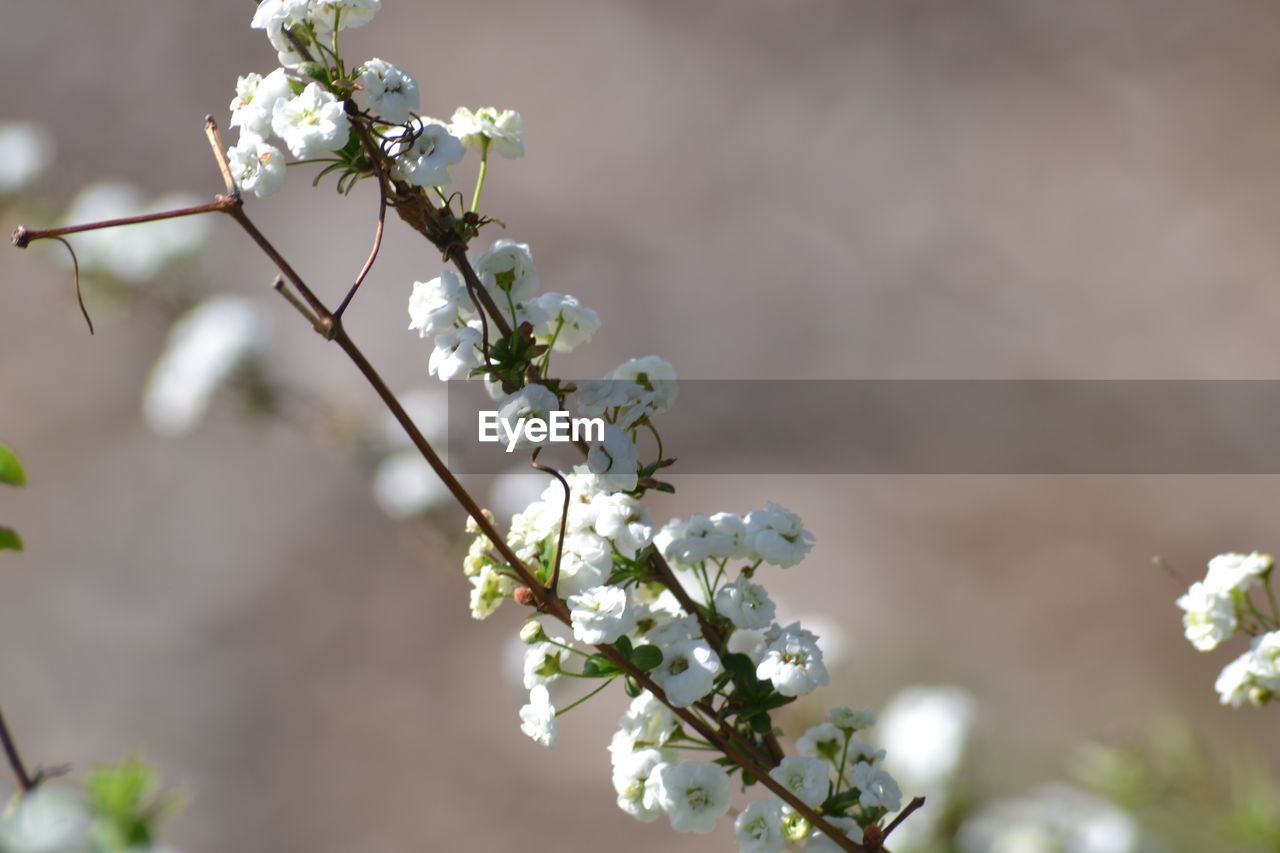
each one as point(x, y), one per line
point(1172, 786)
point(128, 804)
point(10, 468)
point(11, 473)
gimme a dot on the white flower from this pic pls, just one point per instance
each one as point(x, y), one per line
point(824, 740)
point(819, 842)
point(758, 827)
point(538, 718)
point(693, 794)
point(924, 731)
point(330, 15)
point(584, 565)
point(532, 402)
point(600, 615)
point(688, 671)
point(405, 485)
point(777, 536)
point(392, 91)
point(426, 160)
point(1235, 682)
point(793, 661)
point(648, 722)
point(876, 788)
point(541, 664)
point(568, 323)
point(634, 783)
point(1053, 818)
point(312, 123)
point(1209, 617)
point(503, 129)
point(277, 16)
point(807, 778)
point(26, 150)
point(434, 305)
point(1236, 572)
point(456, 354)
point(489, 589)
point(49, 819)
point(256, 99)
point(506, 269)
point(206, 346)
point(746, 604)
point(595, 396)
point(257, 167)
point(615, 460)
point(622, 520)
point(1264, 659)
point(851, 720)
point(702, 537)
point(656, 376)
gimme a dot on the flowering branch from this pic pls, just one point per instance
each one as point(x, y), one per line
point(692, 685)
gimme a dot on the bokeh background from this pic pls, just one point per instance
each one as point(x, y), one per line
point(801, 189)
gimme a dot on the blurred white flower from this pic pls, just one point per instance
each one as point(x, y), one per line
point(206, 346)
point(1056, 818)
point(26, 150)
point(925, 731)
point(428, 408)
point(134, 253)
point(515, 489)
point(48, 820)
point(405, 485)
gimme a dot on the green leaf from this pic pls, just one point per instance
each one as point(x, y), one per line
point(646, 658)
point(9, 540)
point(599, 666)
point(10, 468)
point(623, 645)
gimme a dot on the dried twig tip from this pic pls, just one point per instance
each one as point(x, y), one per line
point(20, 237)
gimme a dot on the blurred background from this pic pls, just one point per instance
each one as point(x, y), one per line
point(809, 189)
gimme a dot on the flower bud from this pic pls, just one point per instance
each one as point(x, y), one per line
point(532, 633)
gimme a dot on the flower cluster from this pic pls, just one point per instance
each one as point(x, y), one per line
point(680, 601)
point(309, 104)
point(674, 611)
point(1221, 604)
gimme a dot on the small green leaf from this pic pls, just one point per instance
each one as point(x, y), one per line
point(10, 468)
point(646, 658)
point(623, 645)
point(599, 666)
point(9, 540)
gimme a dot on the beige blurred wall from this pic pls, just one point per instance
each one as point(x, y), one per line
point(752, 190)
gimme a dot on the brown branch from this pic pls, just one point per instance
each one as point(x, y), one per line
point(725, 739)
point(25, 782)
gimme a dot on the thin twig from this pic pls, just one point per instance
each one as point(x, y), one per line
point(373, 254)
point(564, 517)
point(25, 782)
point(220, 155)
